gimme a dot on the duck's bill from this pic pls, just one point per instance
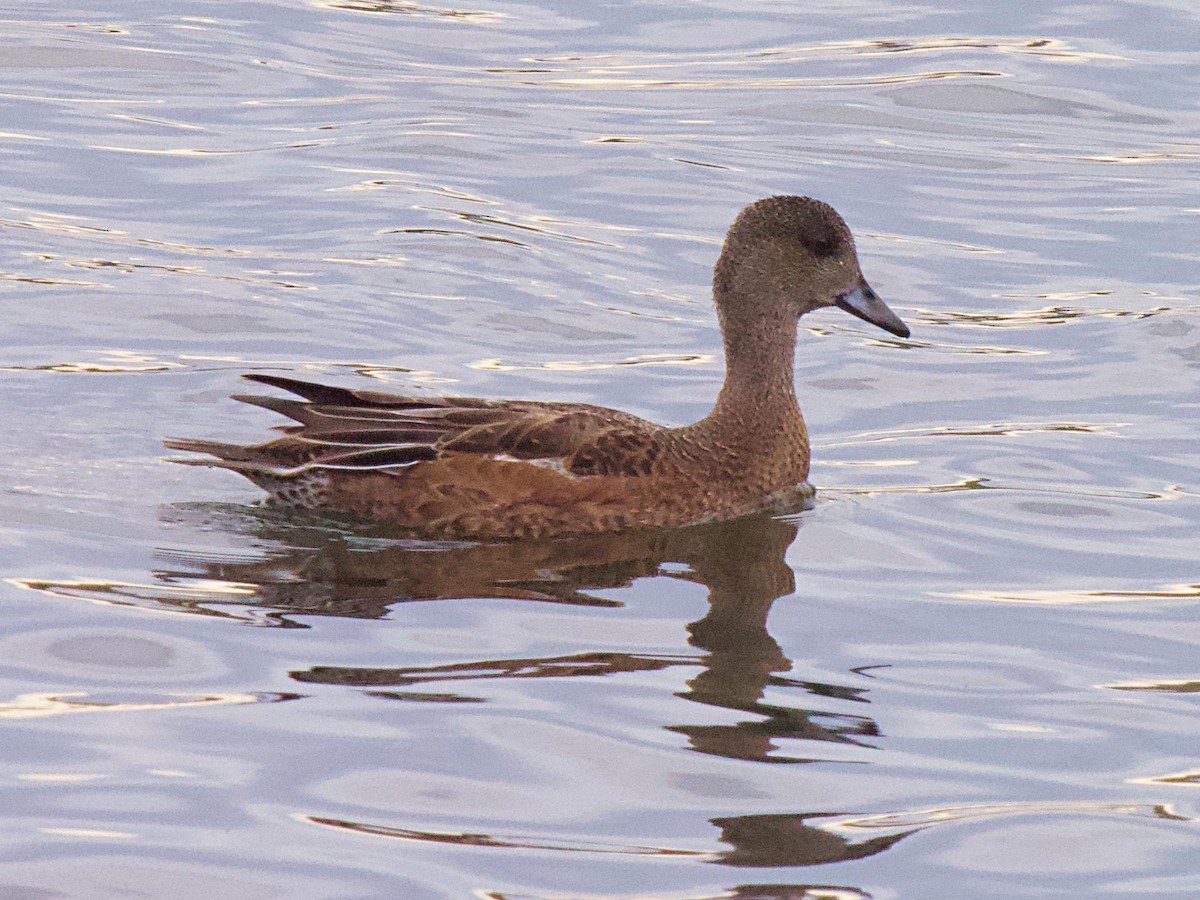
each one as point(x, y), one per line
point(863, 302)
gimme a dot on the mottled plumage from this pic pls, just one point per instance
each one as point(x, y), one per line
point(465, 467)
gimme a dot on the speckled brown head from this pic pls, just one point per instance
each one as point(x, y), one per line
point(789, 255)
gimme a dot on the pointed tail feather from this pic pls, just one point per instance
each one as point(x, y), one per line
point(216, 448)
point(317, 393)
point(297, 410)
point(328, 395)
point(358, 399)
point(318, 416)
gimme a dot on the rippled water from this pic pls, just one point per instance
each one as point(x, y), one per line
point(970, 670)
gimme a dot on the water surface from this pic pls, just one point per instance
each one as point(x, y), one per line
point(970, 670)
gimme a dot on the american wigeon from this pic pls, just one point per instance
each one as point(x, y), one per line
point(462, 467)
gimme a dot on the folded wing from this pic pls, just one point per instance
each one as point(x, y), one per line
point(343, 429)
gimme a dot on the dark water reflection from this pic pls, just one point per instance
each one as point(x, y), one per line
point(326, 572)
point(323, 571)
point(755, 841)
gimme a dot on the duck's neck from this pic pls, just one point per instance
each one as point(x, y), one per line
point(759, 356)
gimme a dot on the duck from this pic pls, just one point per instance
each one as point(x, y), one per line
point(466, 468)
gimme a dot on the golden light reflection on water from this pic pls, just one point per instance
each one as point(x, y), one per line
point(550, 226)
point(1035, 46)
point(102, 834)
point(975, 349)
point(1015, 728)
point(131, 362)
point(617, 140)
point(1048, 315)
point(696, 162)
point(389, 260)
point(940, 814)
point(967, 484)
point(459, 232)
point(874, 464)
point(540, 225)
point(610, 82)
point(81, 26)
point(614, 70)
point(401, 7)
point(206, 151)
point(980, 484)
point(925, 241)
point(171, 597)
point(981, 429)
point(261, 276)
point(176, 246)
point(44, 706)
point(1187, 778)
point(387, 179)
point(62, 282)
point(155, 120)
point(1071, 597)
point(1146, 156)
point(316, 367)
point(57, 224)
point(571, 365)
point(1168, 687)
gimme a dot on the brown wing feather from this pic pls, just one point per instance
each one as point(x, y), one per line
point(561, 433)
point(347, 429)
point(621, 450)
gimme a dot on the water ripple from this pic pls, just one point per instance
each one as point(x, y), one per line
point(43, 706)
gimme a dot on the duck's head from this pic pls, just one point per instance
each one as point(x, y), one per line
point(792, 255)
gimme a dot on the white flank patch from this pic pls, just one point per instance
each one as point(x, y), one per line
point(553, 463)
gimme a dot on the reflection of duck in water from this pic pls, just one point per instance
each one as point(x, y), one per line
point(461, 467)
point(741, 562)
point(756, 841)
